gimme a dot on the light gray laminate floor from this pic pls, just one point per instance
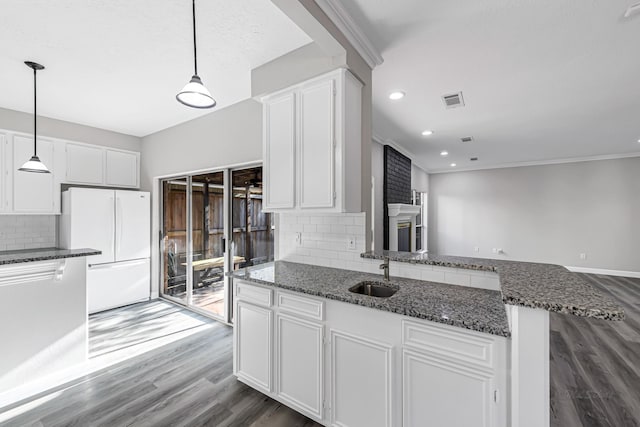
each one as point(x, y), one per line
point(157, 364)
point(595, 364)
point(164, 366)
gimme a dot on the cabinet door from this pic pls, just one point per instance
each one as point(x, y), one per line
point(361, 381)
point(121, 168)
point(32, 192)
point(316, 159)
point(84, 164)
point(279, 152)
point(299, 364)
point(253, 340)
point(434, 389)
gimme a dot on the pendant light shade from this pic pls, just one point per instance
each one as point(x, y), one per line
point(34, 164)
point(194, 94)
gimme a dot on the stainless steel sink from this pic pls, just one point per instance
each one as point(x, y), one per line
point(374, 289)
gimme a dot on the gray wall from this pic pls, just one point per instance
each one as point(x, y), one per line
point(23, 122)
point(548, 213)
point(377, 182)
point(225, 137)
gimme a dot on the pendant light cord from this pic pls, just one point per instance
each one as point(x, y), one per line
point(195, 54)
point(35, 115)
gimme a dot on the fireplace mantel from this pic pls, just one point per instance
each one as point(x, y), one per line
point(401, 213)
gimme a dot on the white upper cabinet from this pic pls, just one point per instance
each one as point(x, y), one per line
point(84, 164)
point(95, 165)
point(122, 168)
point(317, 136)
point(33, 192)
point(279, 151)
point(312, 145)
point(69, 163)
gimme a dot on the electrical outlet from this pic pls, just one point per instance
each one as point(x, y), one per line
point(500, 251)
point(476, 249)
point(494, 250)
point(351, 242)
point(583, 256)
point(299, 239)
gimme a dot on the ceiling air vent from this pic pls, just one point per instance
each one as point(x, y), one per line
point(473, 159)
point(454, 100)
point(466, 139)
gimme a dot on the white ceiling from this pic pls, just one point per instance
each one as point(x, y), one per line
point(118, 64)
point(542, 80)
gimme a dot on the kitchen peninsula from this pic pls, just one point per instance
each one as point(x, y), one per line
point(43, 315)
point(305, 338)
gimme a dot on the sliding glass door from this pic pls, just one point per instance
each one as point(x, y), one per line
point(207, 261)
point(212, 223)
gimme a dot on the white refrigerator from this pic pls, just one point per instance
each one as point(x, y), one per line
point(116, 222)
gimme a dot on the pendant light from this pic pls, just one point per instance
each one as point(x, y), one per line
point(34, 164)
point(194, 94)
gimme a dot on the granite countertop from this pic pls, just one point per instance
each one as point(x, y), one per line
point(471, 308)
point(31, 255)
point(546, 286)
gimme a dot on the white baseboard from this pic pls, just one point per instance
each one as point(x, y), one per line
point(603, 271)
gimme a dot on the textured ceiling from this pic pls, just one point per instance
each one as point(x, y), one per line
point(118, 64)
point(542, 80)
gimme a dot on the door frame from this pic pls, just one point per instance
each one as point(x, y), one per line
point(227, 233)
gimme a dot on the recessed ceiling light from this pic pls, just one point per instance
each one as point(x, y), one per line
point(444, 153)
point(427, 132)
point(639, 140)
point(453, 165)
point(396, 95)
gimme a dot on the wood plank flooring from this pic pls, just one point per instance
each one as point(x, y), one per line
point(160, 365)
point(595, 364)
point(167, 367)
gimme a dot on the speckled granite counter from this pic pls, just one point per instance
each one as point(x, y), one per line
point(546, 286)
point(476, 309)
point(31, 255)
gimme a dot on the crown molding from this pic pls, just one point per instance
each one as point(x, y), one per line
point(354, 34)
point(379, 140)
point(541, 163)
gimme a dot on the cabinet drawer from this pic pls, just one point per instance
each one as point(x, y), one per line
point(254, 294)
point(294, 303)
point(449, 342)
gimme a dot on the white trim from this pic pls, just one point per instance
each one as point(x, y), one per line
point(541, 162)
point(622, 273)
point(336, 12)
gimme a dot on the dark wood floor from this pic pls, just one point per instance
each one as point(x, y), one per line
point(165, 366)
point(595, 364)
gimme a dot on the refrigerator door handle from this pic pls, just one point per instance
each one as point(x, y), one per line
point(118, 264)
point(113, 231)
point(119, 225)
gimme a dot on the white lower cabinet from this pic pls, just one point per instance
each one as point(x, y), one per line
point(350, 366)
point(444, 393)
point(253, 345)
point(299, 364)
point(361, 387)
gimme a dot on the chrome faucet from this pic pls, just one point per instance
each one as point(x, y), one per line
point(385, 266)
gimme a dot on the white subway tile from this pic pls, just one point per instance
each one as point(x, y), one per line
point(457, 278)
point(433, 276)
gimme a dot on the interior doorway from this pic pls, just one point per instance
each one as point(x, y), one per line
point(212, 223)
